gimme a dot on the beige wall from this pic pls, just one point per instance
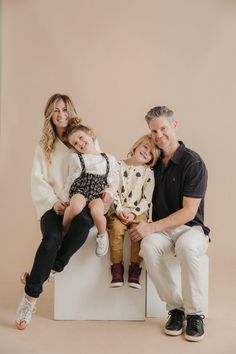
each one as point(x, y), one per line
point(117, 59)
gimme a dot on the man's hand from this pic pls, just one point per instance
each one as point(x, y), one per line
point(142, 230)
point(60, 207)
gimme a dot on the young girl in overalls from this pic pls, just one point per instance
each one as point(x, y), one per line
point(92, 181)
point(131, 204)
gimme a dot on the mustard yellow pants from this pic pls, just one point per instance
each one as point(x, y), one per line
point(116, 231)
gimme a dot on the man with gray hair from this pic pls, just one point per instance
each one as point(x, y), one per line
point(177, 228)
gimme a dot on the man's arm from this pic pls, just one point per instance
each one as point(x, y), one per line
point(180, 217)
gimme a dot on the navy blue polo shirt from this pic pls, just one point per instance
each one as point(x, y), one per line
point(185, 175)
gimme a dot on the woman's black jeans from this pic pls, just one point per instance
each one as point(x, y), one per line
point(55, 252)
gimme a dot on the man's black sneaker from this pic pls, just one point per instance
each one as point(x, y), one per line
point(195, 328)
point(174, 325)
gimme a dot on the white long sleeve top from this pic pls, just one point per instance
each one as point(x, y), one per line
point(95, 164)
point(48, 179)
point(135, 189)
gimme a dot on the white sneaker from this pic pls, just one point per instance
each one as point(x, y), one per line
point(102, 244)
point(24, 313)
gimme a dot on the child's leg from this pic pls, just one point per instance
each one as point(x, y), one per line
point(77, 204)
point(135, 246)
point(96, 207)
point(116, 232)
point(134, 268)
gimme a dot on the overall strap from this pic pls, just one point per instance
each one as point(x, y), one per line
point(80, 156)
point(108, 164)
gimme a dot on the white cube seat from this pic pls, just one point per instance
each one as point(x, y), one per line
point(82, 290)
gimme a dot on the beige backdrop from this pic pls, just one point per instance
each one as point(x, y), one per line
point(117, 59)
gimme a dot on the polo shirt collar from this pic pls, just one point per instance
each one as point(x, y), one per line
point(176, 158)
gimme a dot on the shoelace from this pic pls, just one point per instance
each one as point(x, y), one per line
point(101, 242)
point(117, 271)
point(135, 272)
point(176, 315)
point(26, 311)
point(195, 320)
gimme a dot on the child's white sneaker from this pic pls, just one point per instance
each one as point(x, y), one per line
point(102, 244)
point(24, 313)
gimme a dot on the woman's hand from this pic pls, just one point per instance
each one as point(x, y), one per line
point(59, 207)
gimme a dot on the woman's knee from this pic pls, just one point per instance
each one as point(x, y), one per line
point(83, 219)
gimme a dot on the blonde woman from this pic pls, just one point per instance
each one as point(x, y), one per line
point(49, 173)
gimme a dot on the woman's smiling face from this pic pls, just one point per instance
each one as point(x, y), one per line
point(60, 115)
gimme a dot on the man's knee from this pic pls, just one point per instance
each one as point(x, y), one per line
point(148, 246)
point(191, 245)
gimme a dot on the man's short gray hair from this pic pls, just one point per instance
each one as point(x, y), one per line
point(159, 111)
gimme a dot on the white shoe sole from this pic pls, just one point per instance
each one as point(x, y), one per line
point(173, 333)
point(116, 285)
point(134, 285)
point(194, 339)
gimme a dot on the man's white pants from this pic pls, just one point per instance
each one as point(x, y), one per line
point(188, 244)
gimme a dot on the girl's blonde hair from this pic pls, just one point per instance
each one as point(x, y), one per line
point(155, 151)
point(48, 136)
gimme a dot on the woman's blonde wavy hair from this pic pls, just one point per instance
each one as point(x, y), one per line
point(154, 149)
point(48, 133)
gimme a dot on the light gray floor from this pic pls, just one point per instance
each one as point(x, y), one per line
point(46, 336)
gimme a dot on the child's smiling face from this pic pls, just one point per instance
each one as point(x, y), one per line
point(143, 153)
point(82, 141)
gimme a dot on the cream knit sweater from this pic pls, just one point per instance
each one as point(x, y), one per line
point(48, 180)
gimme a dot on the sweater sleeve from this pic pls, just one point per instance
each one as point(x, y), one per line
point(147, 190)
point(113, 177)
point(117, 204)
point(43, 195)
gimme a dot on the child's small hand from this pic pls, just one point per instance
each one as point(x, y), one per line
point(130, 218)
point(122, 218)
point(106, 197)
